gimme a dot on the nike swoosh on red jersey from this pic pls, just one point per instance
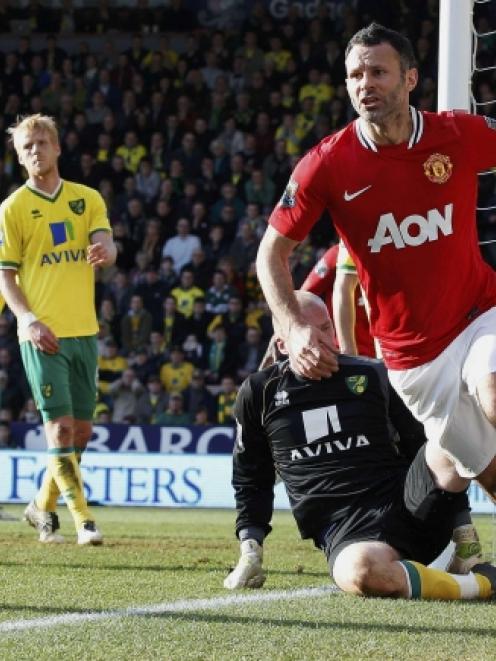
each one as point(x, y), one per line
point(351, 196)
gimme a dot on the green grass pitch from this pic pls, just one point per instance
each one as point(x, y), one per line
point(67, 602)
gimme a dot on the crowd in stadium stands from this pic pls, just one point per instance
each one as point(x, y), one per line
point(191, 143)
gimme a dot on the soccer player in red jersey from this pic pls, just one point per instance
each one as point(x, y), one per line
point(320, 281)
point(401, 187)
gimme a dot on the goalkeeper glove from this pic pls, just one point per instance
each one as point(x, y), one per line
point(248, 573)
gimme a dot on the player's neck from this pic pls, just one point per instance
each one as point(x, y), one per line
point(393, 131)
point(48, 184)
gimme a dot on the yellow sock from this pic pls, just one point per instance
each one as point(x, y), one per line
point(428, 583)
point(64, 468)
point(48, 494)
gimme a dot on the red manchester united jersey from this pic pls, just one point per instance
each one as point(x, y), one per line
point(406, 213)
point(320, 281)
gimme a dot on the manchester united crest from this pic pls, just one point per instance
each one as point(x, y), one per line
point(438, 168)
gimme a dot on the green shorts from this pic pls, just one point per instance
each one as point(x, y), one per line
point(64, 383)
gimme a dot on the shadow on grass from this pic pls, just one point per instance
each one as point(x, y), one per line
point(200, 566)
point(353, 626)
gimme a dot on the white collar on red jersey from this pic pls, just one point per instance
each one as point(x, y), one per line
point(416, 134)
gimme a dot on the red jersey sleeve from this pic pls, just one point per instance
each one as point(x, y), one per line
point(304, 198)
point(478, 133)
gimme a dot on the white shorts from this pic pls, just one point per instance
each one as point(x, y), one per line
point(442, 394)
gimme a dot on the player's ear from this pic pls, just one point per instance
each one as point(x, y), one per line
point(281, 347)
point(412, 79)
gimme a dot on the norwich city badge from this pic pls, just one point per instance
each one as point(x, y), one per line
point(437, 168)
point(357, 384)
point(78, 206)
point(46, 390)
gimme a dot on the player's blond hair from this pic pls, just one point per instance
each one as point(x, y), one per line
point(29, 123)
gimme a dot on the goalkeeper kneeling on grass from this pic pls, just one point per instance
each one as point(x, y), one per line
point(344, 448)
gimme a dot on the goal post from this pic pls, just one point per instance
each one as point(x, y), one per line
point(455, 55)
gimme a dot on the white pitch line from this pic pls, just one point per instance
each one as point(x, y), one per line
point(183, 605)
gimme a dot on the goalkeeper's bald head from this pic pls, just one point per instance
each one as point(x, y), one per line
point(313, 310)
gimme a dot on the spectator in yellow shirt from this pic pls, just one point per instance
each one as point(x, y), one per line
point(176, 374)
point(131, 151)
point(278, 55)
point(225, 401)
point(287, 131)
point(187, 292)
point(317, 87)
point(305, 119)
point(110, 365)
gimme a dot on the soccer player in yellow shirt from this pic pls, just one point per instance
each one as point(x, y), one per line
point(53, 234)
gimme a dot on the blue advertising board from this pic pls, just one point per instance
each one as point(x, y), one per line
point(149, 479)
point(218, 439)
point(135, 479)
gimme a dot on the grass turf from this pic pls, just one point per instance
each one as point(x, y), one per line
point(154, 556)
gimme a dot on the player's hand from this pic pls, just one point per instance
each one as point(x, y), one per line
point(248, 573)
point(98, 254)
point(42, 337)
point(312, 352)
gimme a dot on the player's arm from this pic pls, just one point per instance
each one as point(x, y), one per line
point(29, 326)
point(253, 480)
point(318, 281)
point(253, 475)
point(102, 250)
point(11, 258)
point(312, 351)
point(344, 310)
point(478, 134)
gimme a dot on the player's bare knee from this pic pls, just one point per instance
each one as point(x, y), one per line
point(60, 432)
point(82, 433)
point(368, 569)
point(358, 578)
point(353, 571)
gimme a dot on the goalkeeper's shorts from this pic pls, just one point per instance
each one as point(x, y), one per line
point(415, 518)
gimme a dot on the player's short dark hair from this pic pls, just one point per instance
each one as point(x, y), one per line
point(375, 34)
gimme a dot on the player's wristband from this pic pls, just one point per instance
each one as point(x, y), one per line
point(25, 320)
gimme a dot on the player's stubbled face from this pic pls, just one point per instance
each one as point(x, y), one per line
point(37, 152)
point(377, 87)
